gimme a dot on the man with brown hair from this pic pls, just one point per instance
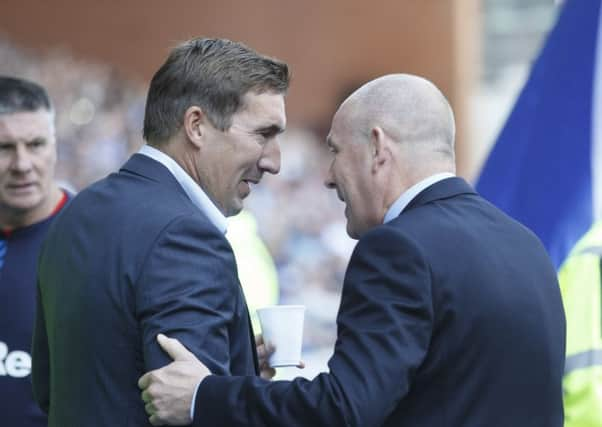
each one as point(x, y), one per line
point(143, 251)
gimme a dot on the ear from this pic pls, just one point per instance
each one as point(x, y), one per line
point(379, 149)
point(195, 125)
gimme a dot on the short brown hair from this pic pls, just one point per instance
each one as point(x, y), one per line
point(213, 74)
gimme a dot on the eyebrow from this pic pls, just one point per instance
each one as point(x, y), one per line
point(39, 139)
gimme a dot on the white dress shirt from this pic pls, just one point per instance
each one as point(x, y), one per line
point(407, 196)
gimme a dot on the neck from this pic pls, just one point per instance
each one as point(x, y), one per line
point(191, 163)
point(12, 219)
point(404, 183)
point(177, 151)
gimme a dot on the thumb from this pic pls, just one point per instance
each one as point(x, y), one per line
point(174, 348)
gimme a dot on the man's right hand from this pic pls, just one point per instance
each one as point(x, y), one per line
point(167, 392)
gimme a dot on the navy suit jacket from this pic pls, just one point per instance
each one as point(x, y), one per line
point(129, 257)
point(450, 316)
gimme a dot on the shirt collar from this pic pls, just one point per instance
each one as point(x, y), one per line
point(406, 197)
point(191, 188)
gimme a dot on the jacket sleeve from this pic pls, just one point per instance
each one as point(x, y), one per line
point(188, 290)
point(384, 329)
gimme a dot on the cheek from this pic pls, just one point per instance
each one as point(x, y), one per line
point(231, 175)
point(247, 164)
point(4, 169)
point(45, 162)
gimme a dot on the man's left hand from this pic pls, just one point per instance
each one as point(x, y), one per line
point(167, 392)
point(264, 351)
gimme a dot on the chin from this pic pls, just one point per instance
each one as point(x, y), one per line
point(23, 203)
point(352, 232)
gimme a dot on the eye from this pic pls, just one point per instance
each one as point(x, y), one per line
point(36, 144)
point(7, 149)
point(268, 133)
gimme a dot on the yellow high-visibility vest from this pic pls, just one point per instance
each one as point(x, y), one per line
point(256, 270)
point(580, 280)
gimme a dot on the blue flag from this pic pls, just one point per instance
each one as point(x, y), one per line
point(540, 169)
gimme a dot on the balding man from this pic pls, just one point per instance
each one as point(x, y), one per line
point(30, 200)
point(450, 313)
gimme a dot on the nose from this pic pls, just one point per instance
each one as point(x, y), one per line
point(270, 158)
point(329, 180)
point(22, 160)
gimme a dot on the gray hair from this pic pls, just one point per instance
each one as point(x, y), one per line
point(19, 95)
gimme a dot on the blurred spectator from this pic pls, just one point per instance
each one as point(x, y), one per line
point(99, 113)
point(256, 269)
point(29, 200)
point(581, 287)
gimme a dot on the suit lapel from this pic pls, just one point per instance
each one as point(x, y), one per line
point(253, 344)
point(443, 189)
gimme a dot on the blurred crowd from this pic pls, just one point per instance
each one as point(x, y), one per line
point(99, 124)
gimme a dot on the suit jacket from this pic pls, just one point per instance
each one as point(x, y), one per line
point(129, 257)
point(450, 316)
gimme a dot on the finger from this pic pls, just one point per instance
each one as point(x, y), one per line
point(270, 348)
point(261, 352)
point(268, 373)
point(144, 381)
point(150, 408)
point(174, 348)
point(301, 364)
point(155, 420)
point(258, 340)
point(145, 395)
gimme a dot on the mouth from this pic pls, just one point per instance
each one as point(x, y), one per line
point(246, 185)
point(21, 187)
point(251, 181)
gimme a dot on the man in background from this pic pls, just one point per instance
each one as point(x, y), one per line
point(143, 251)
point(29, 200)
point(580, 278)
point(450, 313)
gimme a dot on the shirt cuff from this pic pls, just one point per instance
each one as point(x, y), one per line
point(192, 405)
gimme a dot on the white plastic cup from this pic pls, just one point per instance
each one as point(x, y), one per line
point(282, 327)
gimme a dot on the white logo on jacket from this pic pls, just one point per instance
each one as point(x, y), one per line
point(16, 364)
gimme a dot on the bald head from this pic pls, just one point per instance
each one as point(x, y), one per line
point(389, 135)
point(409, 109)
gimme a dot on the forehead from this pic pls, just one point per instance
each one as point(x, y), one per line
point(341, 124)
point(263, 109)
point(26, 126)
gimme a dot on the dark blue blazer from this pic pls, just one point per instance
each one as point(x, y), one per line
point(450, 317)
point(129, 257)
